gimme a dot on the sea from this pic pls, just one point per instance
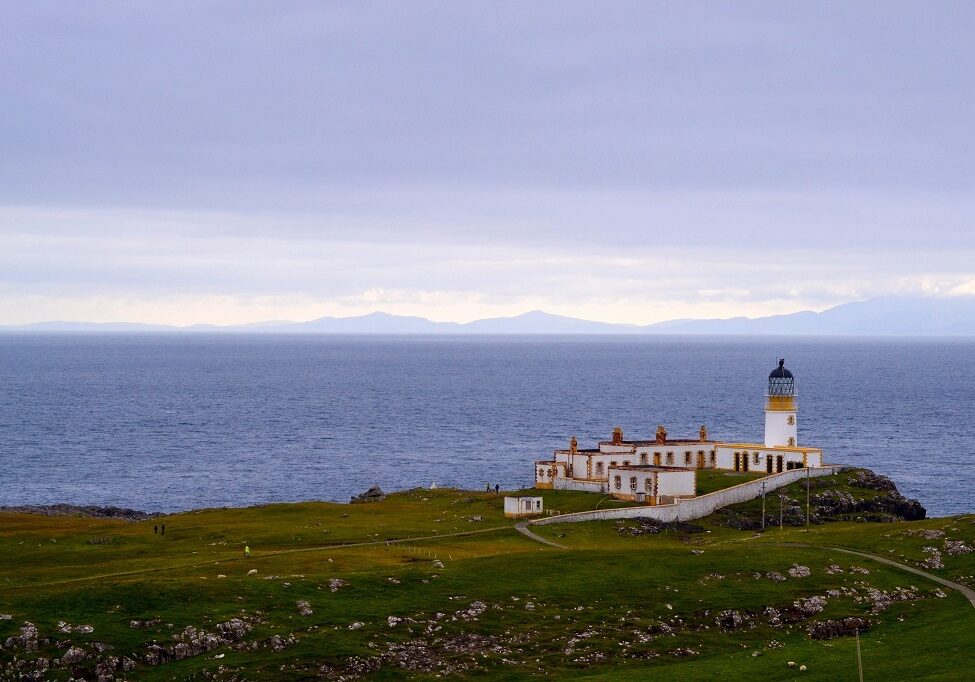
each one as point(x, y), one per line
point(168, 422)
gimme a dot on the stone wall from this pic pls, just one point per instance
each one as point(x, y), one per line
point(697, 507)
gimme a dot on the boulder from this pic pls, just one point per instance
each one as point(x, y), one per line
point(374, 494)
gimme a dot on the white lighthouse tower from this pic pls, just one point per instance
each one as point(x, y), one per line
point(780, 409)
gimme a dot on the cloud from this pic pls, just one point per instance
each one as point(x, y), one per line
point(195, 161)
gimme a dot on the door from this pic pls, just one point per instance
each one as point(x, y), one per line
point(768, 463)
point(778, 463)
point(737, 461)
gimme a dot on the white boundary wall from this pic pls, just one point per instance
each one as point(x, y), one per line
point(697, 507)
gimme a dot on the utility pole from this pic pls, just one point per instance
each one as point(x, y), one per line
point(763, 505)
point(807, 499)
point(781, 497)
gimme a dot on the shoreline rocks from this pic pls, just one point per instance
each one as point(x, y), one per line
point(90, 511)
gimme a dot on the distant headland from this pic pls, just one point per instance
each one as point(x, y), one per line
point(890, 316)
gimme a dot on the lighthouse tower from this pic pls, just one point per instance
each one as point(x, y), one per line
point(780, 408)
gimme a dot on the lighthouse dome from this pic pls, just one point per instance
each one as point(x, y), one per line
point(781, 382)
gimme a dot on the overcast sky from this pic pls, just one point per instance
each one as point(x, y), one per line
point(231, 162)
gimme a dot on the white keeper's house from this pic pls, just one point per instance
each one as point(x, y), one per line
point(661, 470)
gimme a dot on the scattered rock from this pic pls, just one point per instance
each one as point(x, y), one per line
point(798, 571)
point(831, 629)
point(684, 652)
point(472, 612)
point(810, 606)
point(926, 533)
point(140, 624)
point(647, 526)
point(304, 608)
point(881, 600)
point(934, 558)
point(733, 620)
point(73, 656)
point(27, 640)
point(956, 547)
point(335, 583)
point(253, 571)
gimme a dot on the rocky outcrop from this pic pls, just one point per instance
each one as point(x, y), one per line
point(81, 510)
point(828, 502)
point(374, 494)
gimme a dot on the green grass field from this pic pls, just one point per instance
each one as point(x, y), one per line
point(476, 598)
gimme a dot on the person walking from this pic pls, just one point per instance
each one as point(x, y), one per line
point(497, 489)
point(155, 529)
point(163, 529)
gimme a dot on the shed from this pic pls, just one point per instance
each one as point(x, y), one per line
point(517, 507)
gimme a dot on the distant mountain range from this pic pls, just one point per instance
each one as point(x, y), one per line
point(954, 316)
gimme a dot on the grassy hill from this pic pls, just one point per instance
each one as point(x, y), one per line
point(436, 582)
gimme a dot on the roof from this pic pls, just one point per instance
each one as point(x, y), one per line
point(642, 443)
point(780, 372)
point(762, 446)
point(648, 467)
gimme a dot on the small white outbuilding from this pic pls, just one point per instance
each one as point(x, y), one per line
point(517, 507)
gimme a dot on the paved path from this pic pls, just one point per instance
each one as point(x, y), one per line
point(968, 592)
point(523, 529)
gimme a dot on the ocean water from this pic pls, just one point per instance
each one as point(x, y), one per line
point(173, 422)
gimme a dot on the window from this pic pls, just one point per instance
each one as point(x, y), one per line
point(626, 462)
point(648, 484)
point(670, 458)
point(792, 441)
point(643, 458)
point(617, 482)
point(687, 457)
point(792, 419)
point(612, 464)
point(541, 473)
point(712, 456)
point(632, 482)
point(599, 468)
point(538, 504)
point(756, 457)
